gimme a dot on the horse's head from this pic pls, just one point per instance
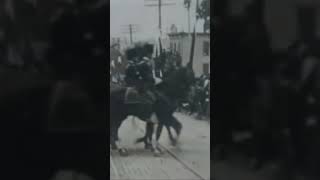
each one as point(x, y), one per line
point(179, 82)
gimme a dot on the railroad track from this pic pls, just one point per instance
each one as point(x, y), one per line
point(182, 162)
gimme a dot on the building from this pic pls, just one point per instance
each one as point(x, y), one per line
point(181, 43)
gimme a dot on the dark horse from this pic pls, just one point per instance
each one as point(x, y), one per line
point(168, 95)
point(175, 85)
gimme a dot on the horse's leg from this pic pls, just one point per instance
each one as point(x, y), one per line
point(159, 131)
point(154, 139)
point(146, 139)
point(172, 139)
point(176, 125)
point(155, 143)
point(116, 144)
point(148, 136)
point(113, 139)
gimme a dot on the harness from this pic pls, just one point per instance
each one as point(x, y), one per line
point(132, 96)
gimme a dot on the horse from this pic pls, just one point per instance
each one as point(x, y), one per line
point(120, 110)
point(165, 112)
point(175, 85)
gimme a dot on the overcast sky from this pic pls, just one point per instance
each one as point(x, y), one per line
point(124, 12)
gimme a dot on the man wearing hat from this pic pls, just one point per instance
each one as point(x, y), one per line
point(139, 74)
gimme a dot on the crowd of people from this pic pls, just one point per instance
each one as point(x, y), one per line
point(198, 100)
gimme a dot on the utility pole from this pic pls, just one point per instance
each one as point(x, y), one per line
point(187, 4)
point(130, 29)
point(189, 20)
point(159, 5)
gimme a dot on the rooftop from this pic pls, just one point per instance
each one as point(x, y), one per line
point(183, 34)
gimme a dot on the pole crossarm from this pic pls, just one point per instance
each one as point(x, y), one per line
point(130, 29)
point(162, 4)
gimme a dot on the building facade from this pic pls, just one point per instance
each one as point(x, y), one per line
point(181, 43)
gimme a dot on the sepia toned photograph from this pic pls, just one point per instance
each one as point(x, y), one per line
point(160, 90)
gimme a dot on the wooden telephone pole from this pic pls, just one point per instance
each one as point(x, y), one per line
point(159, 5)
point(130, 29)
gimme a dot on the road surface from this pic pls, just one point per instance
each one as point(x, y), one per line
point(190, 160)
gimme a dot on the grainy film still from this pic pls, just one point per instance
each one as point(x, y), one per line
point(160, 89)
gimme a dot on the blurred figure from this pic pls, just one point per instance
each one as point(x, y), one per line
point(139, 74)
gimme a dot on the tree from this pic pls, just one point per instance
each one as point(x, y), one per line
point(203, 12)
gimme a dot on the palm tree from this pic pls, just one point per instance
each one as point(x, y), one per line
point(203, 12)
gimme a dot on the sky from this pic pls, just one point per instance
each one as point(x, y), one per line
point(124, 12)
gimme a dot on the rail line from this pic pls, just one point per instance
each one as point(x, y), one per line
point(174, 156)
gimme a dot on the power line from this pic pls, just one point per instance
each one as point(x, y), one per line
point(159, 5)
point(131, 29)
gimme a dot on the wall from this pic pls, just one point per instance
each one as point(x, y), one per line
point(199, 58)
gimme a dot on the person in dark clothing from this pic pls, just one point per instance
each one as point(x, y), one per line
point(139, 72)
